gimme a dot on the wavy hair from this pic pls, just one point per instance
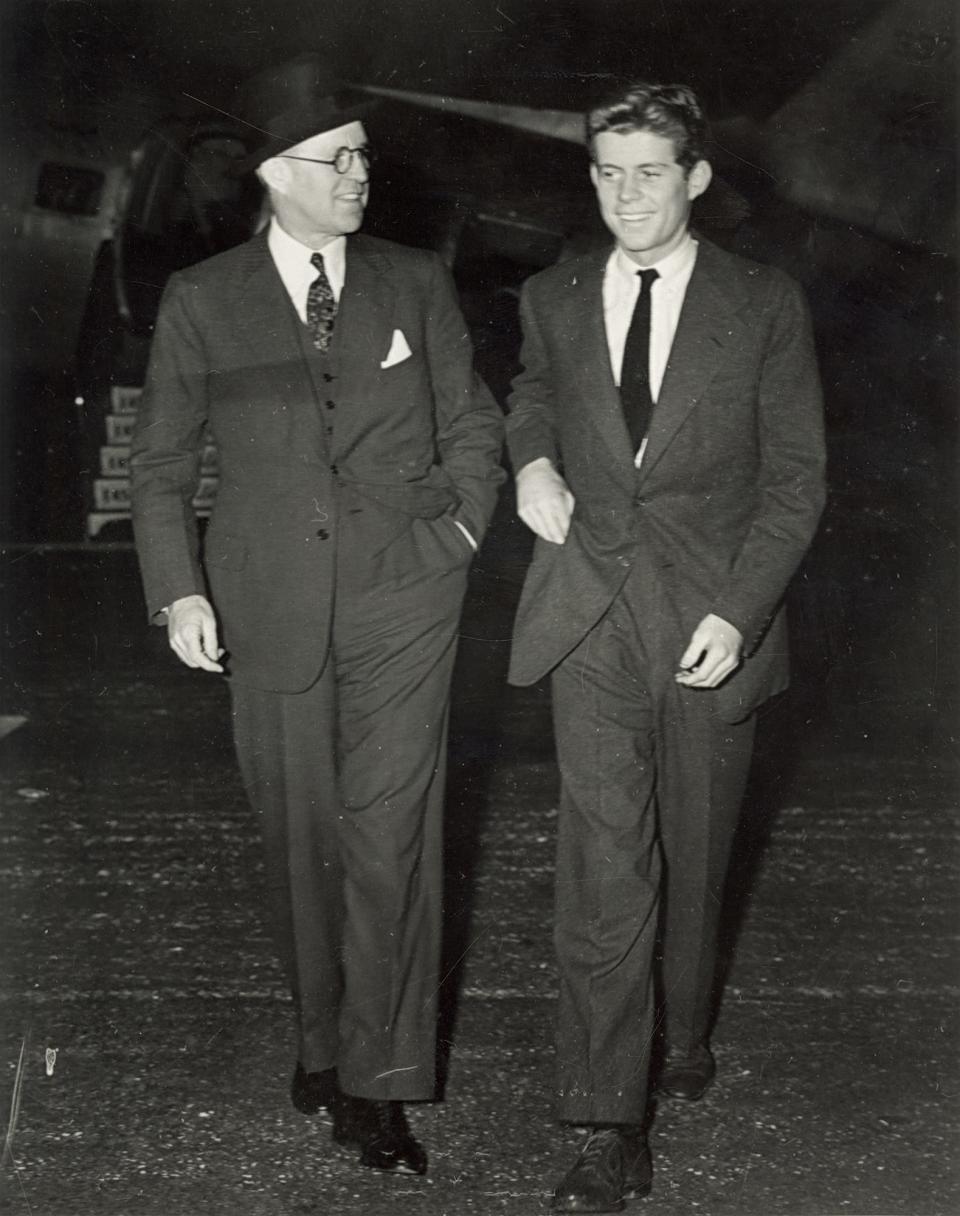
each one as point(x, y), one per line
point(670, 110)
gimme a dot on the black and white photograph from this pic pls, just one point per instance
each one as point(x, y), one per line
point(479, 625)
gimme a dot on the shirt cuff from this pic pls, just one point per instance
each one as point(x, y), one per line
point(465, 531)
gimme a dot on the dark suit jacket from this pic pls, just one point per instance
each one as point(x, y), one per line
point(420, 438)
point(731, 485)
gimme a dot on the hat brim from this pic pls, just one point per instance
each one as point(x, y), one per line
point(292, 128)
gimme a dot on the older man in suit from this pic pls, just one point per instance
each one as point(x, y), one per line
point(359, 465)
point(666, 432)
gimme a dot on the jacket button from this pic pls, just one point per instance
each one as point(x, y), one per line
point(334, 470)
point(327, 376)
point(331, 405)
point(323, 534)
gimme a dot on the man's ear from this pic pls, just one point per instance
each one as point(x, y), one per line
point(698, 179)
point(594, 175)
point(274, 174)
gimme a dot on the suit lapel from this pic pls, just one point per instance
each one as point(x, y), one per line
point(588, 331)
point(709, 324)
point(265, 317)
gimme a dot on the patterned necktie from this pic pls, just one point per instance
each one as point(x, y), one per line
point(321, 306)
point(635, 373)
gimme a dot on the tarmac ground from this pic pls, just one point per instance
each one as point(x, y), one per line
point(146, 1034)
point(146, 1019)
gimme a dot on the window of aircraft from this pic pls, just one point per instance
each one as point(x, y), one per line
point(70, 189)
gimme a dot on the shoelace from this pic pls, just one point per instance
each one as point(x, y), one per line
point(600, 1144)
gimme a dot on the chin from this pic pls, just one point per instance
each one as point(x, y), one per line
point(637, 249)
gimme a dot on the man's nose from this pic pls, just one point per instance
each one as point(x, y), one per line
point(630, 188)
point(358, 170)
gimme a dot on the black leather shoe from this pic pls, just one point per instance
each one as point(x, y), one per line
point(687, 1075)
point(310, 1092)
point(637, 1166)
point(613, 1166)
point(388, 1144)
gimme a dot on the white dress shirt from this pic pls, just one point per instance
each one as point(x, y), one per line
point(293, 264)
point(621, 288)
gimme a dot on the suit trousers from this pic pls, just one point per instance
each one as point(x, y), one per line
point(651, 779)
point(347, 779)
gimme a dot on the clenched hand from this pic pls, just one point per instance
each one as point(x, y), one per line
point(714, 652)
point(192, 630)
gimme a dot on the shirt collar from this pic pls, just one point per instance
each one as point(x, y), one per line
point(292, 258)
point(673, 266)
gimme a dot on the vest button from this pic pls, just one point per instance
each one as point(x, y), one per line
point(323, 534)
point(334, 470)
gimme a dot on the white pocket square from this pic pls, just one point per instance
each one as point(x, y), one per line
point(399, 350)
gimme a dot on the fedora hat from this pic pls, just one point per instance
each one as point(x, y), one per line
point(286, 104)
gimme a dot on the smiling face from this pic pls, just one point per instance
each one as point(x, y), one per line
point(314, 203)
point(644, 195)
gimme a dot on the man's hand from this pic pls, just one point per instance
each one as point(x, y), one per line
point(714, 652)
point(544, 502)
point(192, 630)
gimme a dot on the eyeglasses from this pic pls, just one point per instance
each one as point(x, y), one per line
point(342, 160)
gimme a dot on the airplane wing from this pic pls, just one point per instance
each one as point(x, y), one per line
point(869, 140)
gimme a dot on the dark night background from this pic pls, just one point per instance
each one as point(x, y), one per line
point(130, 872)
point(745, 56)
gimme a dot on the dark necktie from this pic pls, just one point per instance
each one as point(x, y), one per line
point(635, 373)
point(321, 306)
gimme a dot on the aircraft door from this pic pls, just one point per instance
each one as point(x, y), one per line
point(184, 204)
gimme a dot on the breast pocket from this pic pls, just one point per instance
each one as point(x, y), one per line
point(407, 369)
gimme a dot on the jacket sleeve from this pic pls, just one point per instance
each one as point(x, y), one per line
point(531, 431)
point(165, 455)
point(469, 422)
point(791, 485)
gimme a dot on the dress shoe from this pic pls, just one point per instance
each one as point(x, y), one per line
point(637, 1166)
point(310, 1092)
point(613, 1166)
point(388, 1144)
point(687, 1075)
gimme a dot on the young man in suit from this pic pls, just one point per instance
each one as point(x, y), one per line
point(359, 465)
point(667, 437)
